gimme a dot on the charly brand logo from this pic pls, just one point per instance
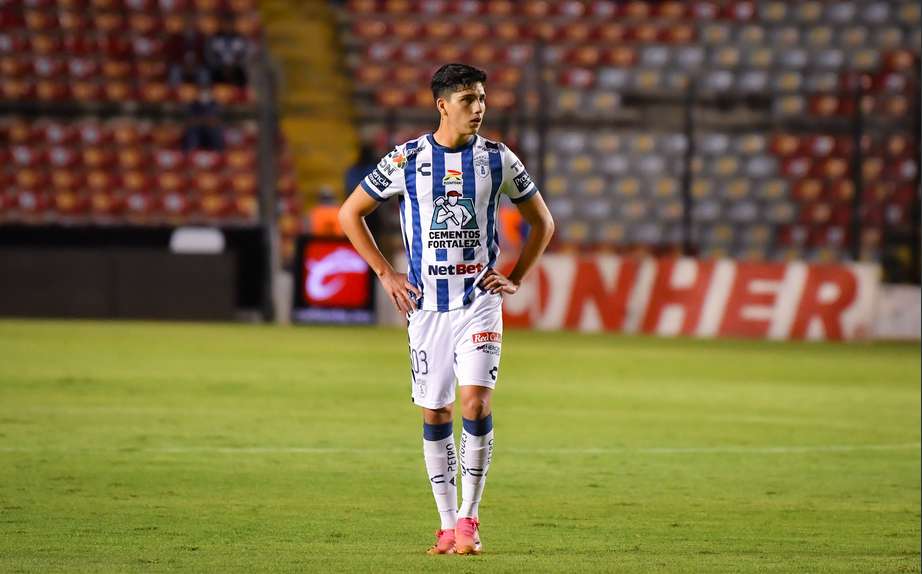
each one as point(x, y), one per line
point(325, 277)
point(453, 211)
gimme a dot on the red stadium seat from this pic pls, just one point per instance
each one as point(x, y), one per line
point(135, 180)
point(67, 180)
point(171, 181)
point(82, 68)
point(105, 206)
point(40, 20)
point(28, 155)
point(170, 160)
point(86, 91)
point(209, 183)
point(245, 207)
point(244, 183)
point(140, 208)
point(29, 178)
point(100, 180)
point(119, 91)
point(501, 8)
point(507, 31)
point(98, 157)
point(131, 157)
point(370, 29)
point(70, 205)
point(216, 207)
point(393, 98)
point(29, 206)
point(62, 157)
point(177, 206)
point(154, 91)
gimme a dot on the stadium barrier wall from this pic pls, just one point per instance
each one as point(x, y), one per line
point(116, 283)
point(899, 313)
point(684, 296)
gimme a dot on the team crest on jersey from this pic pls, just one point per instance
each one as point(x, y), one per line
point(481, 165)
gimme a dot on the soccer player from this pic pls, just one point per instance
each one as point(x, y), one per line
point(448, 184)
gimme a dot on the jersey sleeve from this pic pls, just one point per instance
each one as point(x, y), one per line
point(517, 184)
point(386, 180)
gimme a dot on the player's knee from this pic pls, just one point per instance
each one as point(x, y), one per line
point(476, 407)
point(438, 416)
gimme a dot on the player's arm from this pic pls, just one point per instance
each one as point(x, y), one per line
point(541, 223)
point(352, 218)
point(443, 215)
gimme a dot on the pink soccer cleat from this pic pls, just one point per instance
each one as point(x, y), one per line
point(467, 536)
point(444, 542)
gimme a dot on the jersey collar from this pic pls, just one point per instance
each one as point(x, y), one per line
point(439, 146)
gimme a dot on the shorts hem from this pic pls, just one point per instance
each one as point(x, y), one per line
point(478, 383)
point(433, 405)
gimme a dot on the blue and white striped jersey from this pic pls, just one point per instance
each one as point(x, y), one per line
point(448, 204)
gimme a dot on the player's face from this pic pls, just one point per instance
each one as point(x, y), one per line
point(464, 109)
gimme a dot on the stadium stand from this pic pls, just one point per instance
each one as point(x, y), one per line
point(773, 87)
point(133, 112)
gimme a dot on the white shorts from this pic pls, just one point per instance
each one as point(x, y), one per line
point(462, 343)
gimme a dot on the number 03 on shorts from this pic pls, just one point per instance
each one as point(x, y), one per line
point(463, 344)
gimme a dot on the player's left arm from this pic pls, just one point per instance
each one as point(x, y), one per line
point(541, 224)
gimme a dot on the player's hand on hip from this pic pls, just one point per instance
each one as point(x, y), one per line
point(496, 282)
point(399, 290)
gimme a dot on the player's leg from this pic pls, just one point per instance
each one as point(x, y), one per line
point(433, 390)
point(476, 448)
point(441, 468)
point(477, 368)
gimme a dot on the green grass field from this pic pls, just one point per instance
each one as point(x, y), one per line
point(145, 447)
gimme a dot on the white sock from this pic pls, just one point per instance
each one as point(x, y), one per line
point(476, 453)
point(442, 466)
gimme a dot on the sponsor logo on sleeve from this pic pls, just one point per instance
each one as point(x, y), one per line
point(379, 180)
point(392, 163)
point(522, 181)
point(487, 337)
point(489, 348)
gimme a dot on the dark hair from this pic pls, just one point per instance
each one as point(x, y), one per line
point(452, 77)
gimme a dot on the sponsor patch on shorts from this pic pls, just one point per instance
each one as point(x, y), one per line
point(489, 349)
point(487, 337)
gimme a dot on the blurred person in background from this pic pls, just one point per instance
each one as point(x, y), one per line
point(513, 227)
point(364, 164)
point(185, 56)
point(448, 184)
point(226, 54)
point(203, 124)
point(324, 216)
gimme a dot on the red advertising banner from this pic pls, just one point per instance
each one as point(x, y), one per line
point(684, 296)
point(335, 275)
point(333, 283)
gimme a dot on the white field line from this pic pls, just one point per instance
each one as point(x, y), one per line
point(130, 411)
point(789, 449)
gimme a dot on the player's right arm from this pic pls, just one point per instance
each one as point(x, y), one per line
point(352, 218)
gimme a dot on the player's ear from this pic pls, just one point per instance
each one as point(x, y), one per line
point(440, 105)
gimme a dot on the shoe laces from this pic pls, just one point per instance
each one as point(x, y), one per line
point(468, 526)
